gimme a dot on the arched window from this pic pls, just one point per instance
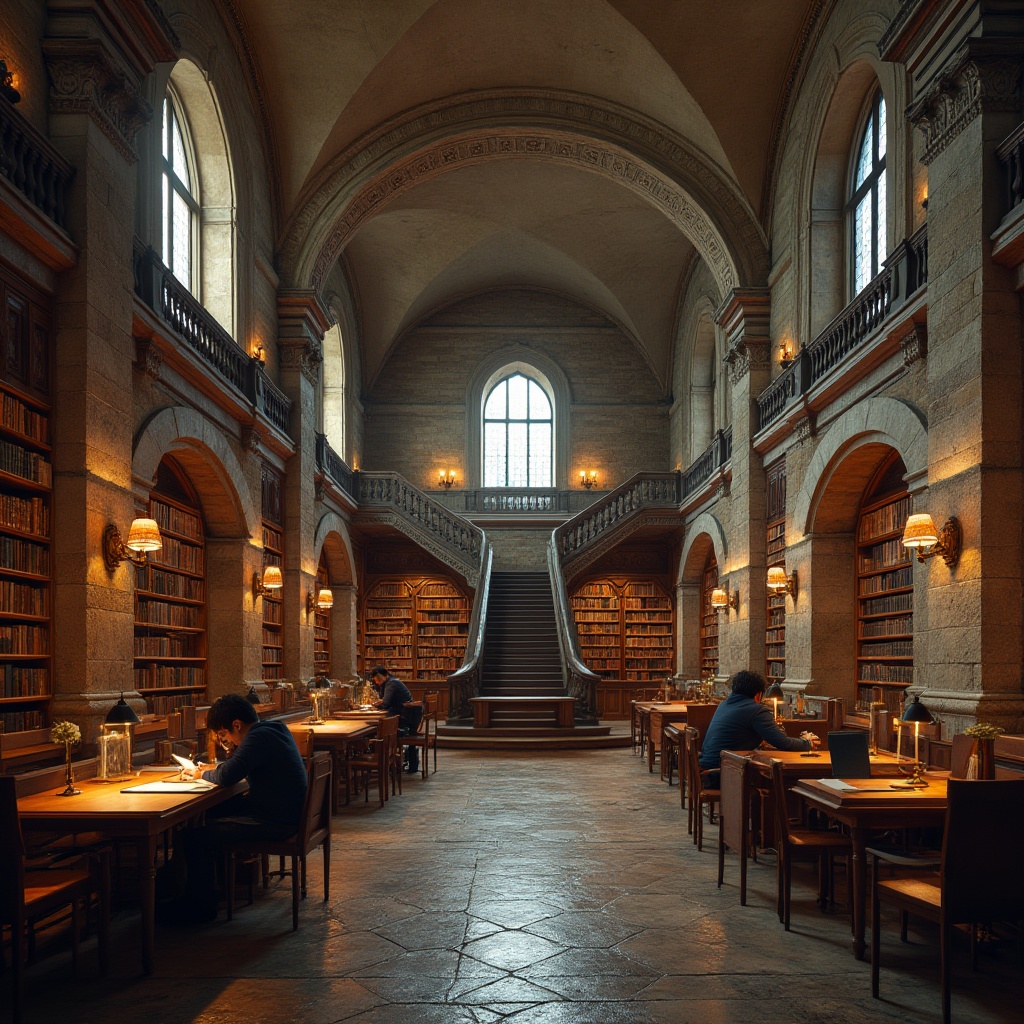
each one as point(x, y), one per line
point(179, 194)
point(333, 396)
point(867, 198)
point(518, 433)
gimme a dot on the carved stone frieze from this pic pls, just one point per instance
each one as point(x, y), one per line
point(737, 360)
point(252, 439)
point(970, 86)
point(84, 79)
point(914, 344)
point(306, 356)
point(147, 359)
point(805, 427)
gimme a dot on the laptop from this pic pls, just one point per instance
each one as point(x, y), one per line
point(849, 752)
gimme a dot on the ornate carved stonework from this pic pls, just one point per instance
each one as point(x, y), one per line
point(85, 80)
point(252, 439)
point(970, 86)
point(737, 359)
point(915, 344)
point(610, 539)
point(304, 356)
point(147, 359)
point(805, 427)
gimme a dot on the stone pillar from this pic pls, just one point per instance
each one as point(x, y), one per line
point(969, 664)
point(234, 620)
point(343, 631)
point(96, 57)
point(687, 626)
point(745, 318)
point(302, 321)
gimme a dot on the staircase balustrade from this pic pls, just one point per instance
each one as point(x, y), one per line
point(580, 681)
point(330, 462)
point(713, 458)
point(464, 682)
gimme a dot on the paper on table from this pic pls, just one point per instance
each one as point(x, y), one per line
point(169, 787)
point(843, 787)
point(183, 761)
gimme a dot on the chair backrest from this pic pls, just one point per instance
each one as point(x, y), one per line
point(698, 716)
point(430, 705)
point(692, 738)
point(734, 804)
point(780, 808)
point(981, 850)
point(316, 812)
point(12, 853)
point(303, 737)
point(849, 752)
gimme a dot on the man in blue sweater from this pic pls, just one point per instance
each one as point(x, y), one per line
point(742, 722)
point(395, 699)
point(263, 753)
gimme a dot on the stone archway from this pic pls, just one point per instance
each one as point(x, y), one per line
point(333, 542)
point(705, 534)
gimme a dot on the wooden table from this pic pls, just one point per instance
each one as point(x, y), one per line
point(874, 805)
point(652, 716)
point(143, 817)
point(336, 736)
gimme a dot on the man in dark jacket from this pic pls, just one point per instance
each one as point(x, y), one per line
point(395, 698)
point(742, 722)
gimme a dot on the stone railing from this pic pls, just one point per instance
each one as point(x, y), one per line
point(464, 682)
point(1011, 155)
point(905, 273)
point(517, 499)
point(163, 293)
point(31, 164)
point(329, 462)
point(445, 534)
point(713, 458)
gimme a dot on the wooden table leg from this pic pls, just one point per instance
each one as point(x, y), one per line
point(146, 854)
point(859, 837)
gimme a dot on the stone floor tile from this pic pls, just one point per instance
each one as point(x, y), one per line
point(586, 963)
point(507, 990)
point(582, 929)
point(586, 1013)
point(511, 913)
point(512, 949)
point(428, 931)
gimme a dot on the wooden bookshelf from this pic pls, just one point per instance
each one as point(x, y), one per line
point(26, 505)
point(625, 628)
point(321, 625)
point(708, 619)
point(170, 602)
point(885, 590)
point(775, 632)
point(273, 608)
point(442, 629)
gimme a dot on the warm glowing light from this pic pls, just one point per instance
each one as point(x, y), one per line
point(144, 535)
point(272, 579)
point(920, 531)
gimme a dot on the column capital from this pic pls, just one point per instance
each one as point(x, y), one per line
point(745, 318)
point(302, 322)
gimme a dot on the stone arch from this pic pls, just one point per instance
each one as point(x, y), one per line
point(863, 433)
point(215, 472)
point(705, 532)
point(600, 137)
point(333, 540)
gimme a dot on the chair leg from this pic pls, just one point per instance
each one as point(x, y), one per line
point(721, 860)
point(229, 882)
point(876, 941)
point(76, 937)
point(327, 868)
point(787, 891)
point(295, 893)
point(945, 937)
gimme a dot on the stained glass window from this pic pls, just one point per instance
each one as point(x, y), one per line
point(180, 206)
point(518, 434)
point(867, 199)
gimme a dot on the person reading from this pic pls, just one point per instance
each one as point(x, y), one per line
point(742, 722)
point(395, 699)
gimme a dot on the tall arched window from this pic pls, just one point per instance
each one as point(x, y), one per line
point(518, 432)
point(179, 194)
point(332, 383)
point(867, 198)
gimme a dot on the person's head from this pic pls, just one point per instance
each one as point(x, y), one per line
point(380, 673)
point(750, 684)
point(230, 717)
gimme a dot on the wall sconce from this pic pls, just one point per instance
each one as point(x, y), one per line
point(588, 478)
point(259, 353)
point(786, 355)
point(322, 600)
point(7, 89)
point(271, 582)
point(446, 479)
point(722, 599)
point(780, 583)
point(920, 533)
point(143, 536)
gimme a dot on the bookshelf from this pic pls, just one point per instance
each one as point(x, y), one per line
point(416, 627)
point(625, 628)
point(708, 619)
point(321, 625)
point(26, 505)
point(273, 608)
point(170, 603)
point(885, 590)
point(775, 632)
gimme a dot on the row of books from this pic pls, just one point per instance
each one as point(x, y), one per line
point(160, 613)
point(177, 520)
point(881, 556)
point(23, 639)
point(23, 598)
point(156, 677)
point(776, 651)
point(434, 629)
point(273, 611)
point(892, 649)
point(17, 416)
point(892, 603)
point(29, 515)
point(271, 637)
point(643, 642)
point(600, 640)
point(273, 656)
point(654, 603)
point(440, 603)
point(886, 581)
point(885, 520)
point(177, 554)
point(169, 584)
point(389, 609)
point(24, 556)
point(632, 616)
point(388, 639)
point(164, 703)
point(434, 616)
point(879, 672)
point(19, 721)
point(167, 647)
point(602, 616)
point(594, 603)
point(22, 681)
point(28, 465)
point(449, 664)
point(902, 624)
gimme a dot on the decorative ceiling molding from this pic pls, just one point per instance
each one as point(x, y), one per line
point(604, 138)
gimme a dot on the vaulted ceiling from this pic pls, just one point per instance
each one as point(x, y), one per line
point(710, 75)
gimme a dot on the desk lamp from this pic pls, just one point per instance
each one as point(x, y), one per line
point(917, 713)
point(774, 694)
point(115, 742)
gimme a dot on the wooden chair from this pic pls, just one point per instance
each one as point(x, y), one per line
point(805, 844)
point(698, 716)
point(303, 737)
point(314, 830)
point(377, 760)
point(700, 795)
point(734, 819)
point(979, 879)
point(27, 896)
point(426, 735)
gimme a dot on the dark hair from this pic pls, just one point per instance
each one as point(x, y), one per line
point(227, 709)
point(750, 684)
point(379, 670)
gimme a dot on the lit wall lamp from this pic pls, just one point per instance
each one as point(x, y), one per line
point(7, 89)
point(143, 536)
point(271, 582)
point(722, 599)
point(780, 583)
point(322, 600)
point(786, 354)
point(446, 478)
point(920, 533)
point(588, 478)
point(259, 353)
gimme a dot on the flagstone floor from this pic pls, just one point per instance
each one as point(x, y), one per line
point(533, 889)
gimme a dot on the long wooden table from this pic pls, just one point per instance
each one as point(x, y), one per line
point(336, 736)
point(875, 804)
point(142, 817)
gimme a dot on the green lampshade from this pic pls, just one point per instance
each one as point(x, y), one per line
point(121, 713)
point(774, 692)
point(915, 711)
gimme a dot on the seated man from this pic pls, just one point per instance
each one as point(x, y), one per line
point(265, 754)
point(395, 699)
point(742, 722)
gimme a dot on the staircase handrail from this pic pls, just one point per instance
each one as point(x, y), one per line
point(449, 537)
point(579, 681)
point(464, 682)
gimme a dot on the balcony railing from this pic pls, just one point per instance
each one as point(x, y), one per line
point(31, 164)
point(905, 272)
point(163, 293)
point(511, 499)
point(713, 458)
point(330, 462)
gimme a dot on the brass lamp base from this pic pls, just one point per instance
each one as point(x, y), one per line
point(916, 780)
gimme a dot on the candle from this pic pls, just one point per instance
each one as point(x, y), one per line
point(899, 736)
point(917, 740)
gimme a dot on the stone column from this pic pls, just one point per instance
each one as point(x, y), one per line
point(302, 321)
point(343, 631)
point(687, 626)
point(96, 57)
point(745, 318)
